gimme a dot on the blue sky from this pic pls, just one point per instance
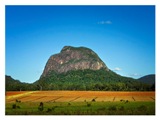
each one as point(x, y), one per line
point(122, 36)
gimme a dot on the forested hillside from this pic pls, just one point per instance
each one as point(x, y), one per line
point(91, 80)
point(15, 85)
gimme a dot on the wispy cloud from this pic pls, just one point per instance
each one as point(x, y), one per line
point(135, 75)
point(117, 69)
point(105, 22)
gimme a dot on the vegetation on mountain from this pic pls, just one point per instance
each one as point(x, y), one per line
point(149, 79)
point(100, 80)
point(15, 85)
point(81, 80)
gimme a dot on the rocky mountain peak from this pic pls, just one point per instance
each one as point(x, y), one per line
point(73, 58)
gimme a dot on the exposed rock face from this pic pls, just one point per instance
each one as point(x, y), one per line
point(73, 58)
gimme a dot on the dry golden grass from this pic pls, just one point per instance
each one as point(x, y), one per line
point(78, 96)
point(10, 93)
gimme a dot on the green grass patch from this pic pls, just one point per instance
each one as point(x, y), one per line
point(82, 108)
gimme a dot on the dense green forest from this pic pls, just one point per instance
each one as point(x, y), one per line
point(15, 85)
point(150, 79)
point(98, 80)
point(91, 80)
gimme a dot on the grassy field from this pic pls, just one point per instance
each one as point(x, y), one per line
point(80, 103)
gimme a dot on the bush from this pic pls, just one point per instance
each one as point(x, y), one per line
point(121, 100)
point(14, 106)
point(93, 100)
point(88, 104)
point(126, 101)
point(121, 108)
point(40, 107)
point(18, 101)
point(112, 108)
point(49, 110)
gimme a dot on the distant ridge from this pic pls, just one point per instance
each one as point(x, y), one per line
point(149, 79)
point(16, 85)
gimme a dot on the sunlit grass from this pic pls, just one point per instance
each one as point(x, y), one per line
point(83, 108)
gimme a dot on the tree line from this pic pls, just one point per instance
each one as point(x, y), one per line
point(99, 80)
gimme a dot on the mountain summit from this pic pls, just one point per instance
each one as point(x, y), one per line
point(73, 58)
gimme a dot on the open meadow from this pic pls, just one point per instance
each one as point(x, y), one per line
point(79, 103)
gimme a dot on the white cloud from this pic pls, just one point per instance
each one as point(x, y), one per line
point(105, 22)
point(117, 69)
point(135, 75)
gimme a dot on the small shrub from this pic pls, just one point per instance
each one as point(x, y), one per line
point(41, 104)
point(121, 100)
point(112, 108)
point(69, 104)
point(88, 104)
point(40, 107)
point(126, 101)
point(18, 101)
point(14, 106)
point(93, 100)
point(49, 110)
point(121, 108)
